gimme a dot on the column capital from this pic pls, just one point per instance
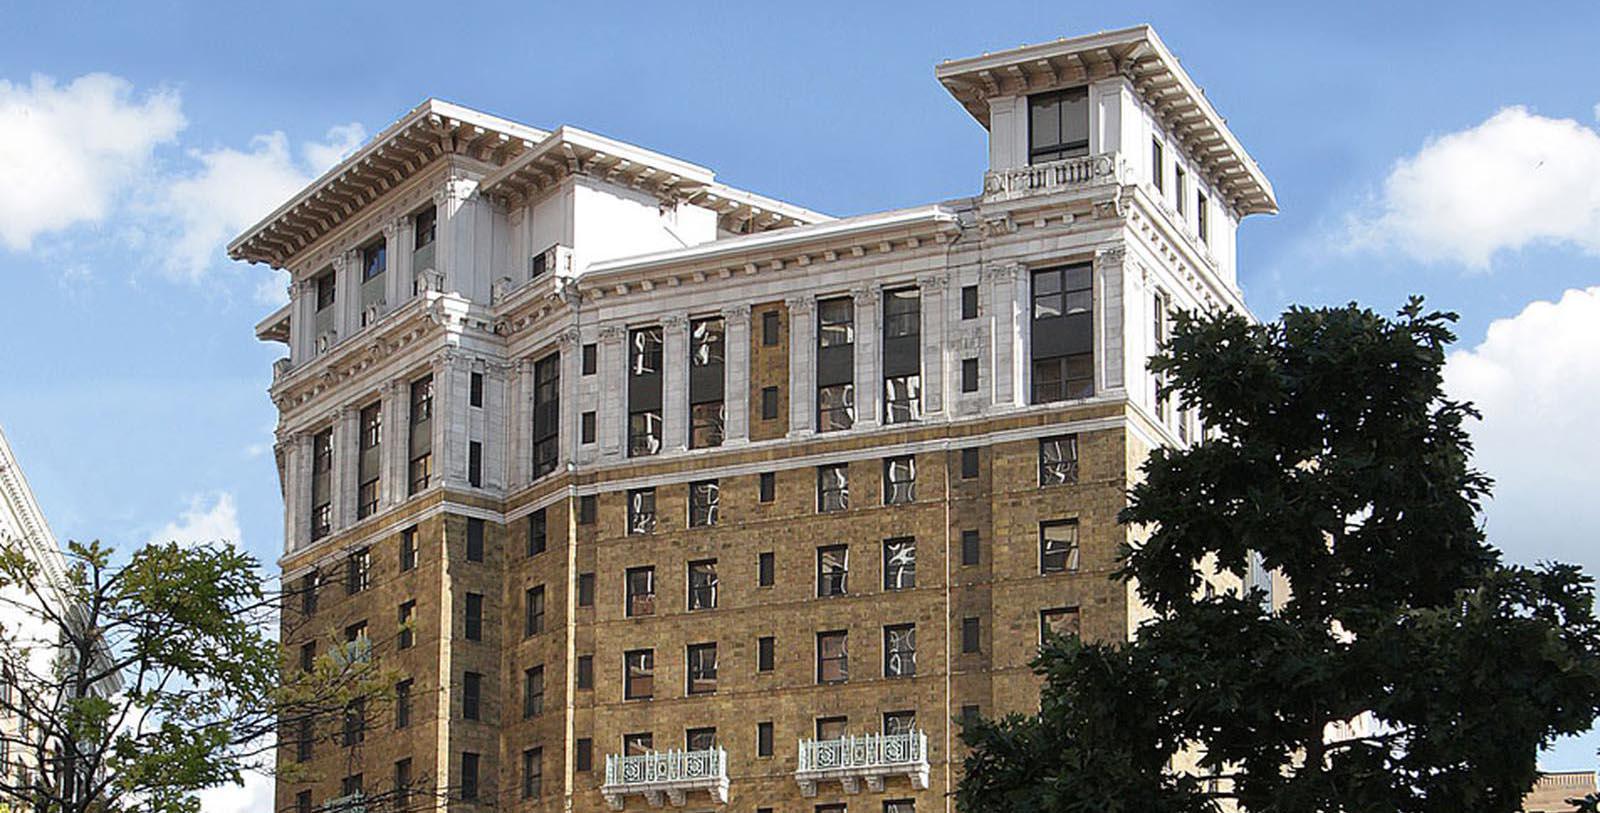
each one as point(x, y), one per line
point(1111, 254)
point(390, 229)
point(1008, 272)
point(613, 333)
point(934, 282)
point(674, 323)
point(739, 312)
point(801, 305)
point(443, 360)
point(866, 294)
point(568, 338)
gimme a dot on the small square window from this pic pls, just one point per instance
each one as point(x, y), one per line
point(640, 589)
point(471, 695)
point(969, 547)
point(764, 739)
point(833, 570)
point(475, 464)
point(700, 739)
point(702, 668)
point(642, 511)
point(1058, 460)
point(971, 634)
point(586, 427)
point(769, 328)
point(1058, 546)
point(766, 569)
point(899, 480)
point(638, 744)
point(408, 549)
point(703, 585)
point(590, 353)
point(833, 488)
point(586, 509)
point(769, 403)
point(474, 539)
point(900, 651)
point(899, 563)
point(475, 390)
point(472, 625)
point(970, 713)
point(583, 757)
point(639, 675)
point(969, 463)
point(897, 723)
point(766, 653)
point(585, 589)
point(833, 657)
point(705, 500)
point(1060, 621)
point(969, 375)
point(533, 610)
point(538, 532)
point(532, 692)
point(969, 302)
point(899, 806)
point(585, 672)
point(469, 776)
point(768, 486)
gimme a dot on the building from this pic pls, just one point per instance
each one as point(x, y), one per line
point(29, 650)
point(1552, 790)
point(657, 491)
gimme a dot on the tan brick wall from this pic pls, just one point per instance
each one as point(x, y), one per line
point(769, 367)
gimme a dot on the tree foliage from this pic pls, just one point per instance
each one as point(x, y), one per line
point(1410, 668)
point(135, 683)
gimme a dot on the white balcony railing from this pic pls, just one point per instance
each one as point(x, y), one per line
point(871, 757)
point(1054, 176)
point(671, 774)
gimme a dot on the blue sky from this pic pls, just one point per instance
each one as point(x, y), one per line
point(1450, 154)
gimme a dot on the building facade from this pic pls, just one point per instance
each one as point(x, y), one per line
point(654, 491)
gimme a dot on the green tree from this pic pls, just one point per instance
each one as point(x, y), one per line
point(1332, 453)
point(135, 683)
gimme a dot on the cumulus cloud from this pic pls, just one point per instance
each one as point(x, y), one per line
point(1536, 378)
point(209, 518)
point(1516, 179)
point(254, 796)
point(231, 189)
point(69, 152)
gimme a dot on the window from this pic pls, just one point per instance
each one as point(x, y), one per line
point(532, 772)
point(832, 728)
point(703, 585)
point(355, 722)
point(1058, 460)
point(408, 549)
point(474, 617)
point(702, 667)
point(1058, 546)
point(305, 740)
point(1158, 165)
point(586, 509)
point(899, 722)
point(589, 358)
point(321, 484)
point(764, 739)
point(1200, 217)
point(969, 375)
point(639, 674)
point(358, 571)
point(899, 563)
point(902, 399)
point(308, 653)
point(585, 672)
point(1158, 312)
point(402, 704)
point(1063, 342)
point(767, 487)
point(585, 589)
point(899, 806)
point(766, 569)
point(538, 264)
point(969, 302)
point(706, 343)
point(969, 463)
point(405, 618)
point(899, 480)
point(583, 757)
point(475, 389)
point(902, 313)
point(351, 785)
point(532, 692)
point(644, 433)
point(642, 511)
point(546, 414)
point(1058, 125)
point(833, 657)
point(368, 462)
point(533, 610)
point(644, 392)
point(302, 802)
point(836, 322)
point(969, 547)
point(970, 713)
point(769, 403)
point(641, 591)
point(766, 653)
point(1178, 190)
point(900, 650)
point(469, 776)
point(474, 539)
point(637, 744)
point(700, 739)
point(833, 488)
point(1061, 621)
point(971, 634)
point(704, 498)
point(902, 355)
point(420, 467)
point(327, 288)
point(833, 570)
point(538, 532)
point(645, 351)
point(474, 464)
point(836, 407)
point(308, 592)
point(586, 427)
point(769, 328)
point(706, 424)
point(471, 695)
point(426, 226)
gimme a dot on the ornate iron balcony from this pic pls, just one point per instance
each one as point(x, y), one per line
point(871, 757)
point(1052, 176)
point(671, 774)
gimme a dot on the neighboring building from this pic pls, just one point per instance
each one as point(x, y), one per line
point(660, 491)
point(22, 526)
point(1551, 792)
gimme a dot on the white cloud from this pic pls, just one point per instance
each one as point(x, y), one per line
point(67, 152)
point(1514, 180)
point(254, 796)
point(202, 523)
point(1536, 378)
point(233, 189)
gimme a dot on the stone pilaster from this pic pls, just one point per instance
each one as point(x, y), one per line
point(869, 337)
point(303, 321)
point(397, 280)
point(571, 371)
point(396, 441)
point(449, 429)
point(522, 423)
point(612, 368)
point(736, 374)
point(802, 362)
point(935, 307)
point(674, 382)
point(496, 403)
point(346, 453)
point(1009, 325)
point(1109, 318)
point(297, 491)
point(347, 293)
